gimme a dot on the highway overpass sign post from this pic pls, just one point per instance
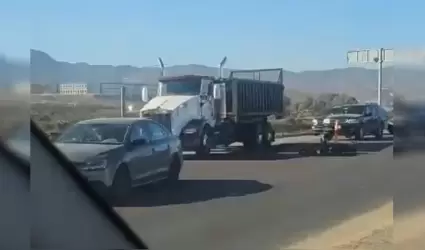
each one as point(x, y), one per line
point(378, 56)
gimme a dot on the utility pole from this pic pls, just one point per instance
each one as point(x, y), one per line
point(380, 61)
point(122, 101)
point(377, 56)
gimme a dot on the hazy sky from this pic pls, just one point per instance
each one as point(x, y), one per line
point(294, 34)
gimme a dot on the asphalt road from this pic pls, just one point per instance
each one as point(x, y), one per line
point(246, 201)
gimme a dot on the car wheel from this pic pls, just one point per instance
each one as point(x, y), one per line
point(390, 129)
point(359, 136)
point(174, 171)
point(121, 185)
point(380, 133)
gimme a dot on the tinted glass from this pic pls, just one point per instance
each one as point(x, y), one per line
point(183, 87)
point(94, 134)
point(139, 131)
point(157, 132)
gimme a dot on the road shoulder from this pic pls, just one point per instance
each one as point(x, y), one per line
point(371, 230)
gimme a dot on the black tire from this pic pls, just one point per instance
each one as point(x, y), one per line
point(359, 136)
point(203, 148)
point(380, 133)
point(174, 171)
point(267, 136)
point(253, 142)
point(390, 129)
point(253, 138)
point(121, 186)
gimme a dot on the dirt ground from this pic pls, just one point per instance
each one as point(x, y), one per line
point(374, 230)
point(13, 112)
point(369, 231)
point(409, 231)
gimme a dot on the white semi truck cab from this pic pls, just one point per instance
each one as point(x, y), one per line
point(205, 111)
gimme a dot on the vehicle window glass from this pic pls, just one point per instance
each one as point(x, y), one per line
point(376, 111)
point(183, 87)
point(101, 133)
point(354, 109)
point(210, 89)
point(366, 110)
point(139, 131)
point(157, 132)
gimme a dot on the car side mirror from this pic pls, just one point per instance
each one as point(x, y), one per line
point(368, 114)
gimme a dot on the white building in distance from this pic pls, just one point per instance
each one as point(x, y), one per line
point(73, 89)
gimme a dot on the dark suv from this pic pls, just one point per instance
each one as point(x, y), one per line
point(355, 120)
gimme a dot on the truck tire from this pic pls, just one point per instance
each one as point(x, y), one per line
point(204, 148)
point(268, 135)
point(253, 139)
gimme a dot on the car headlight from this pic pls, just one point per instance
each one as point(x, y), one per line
point(95, 164)
point(315, 122)
point(352, 121)
point(326, 121)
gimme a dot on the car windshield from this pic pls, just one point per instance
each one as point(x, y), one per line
point(355, 109)
point(183, 87)
point(94, 134)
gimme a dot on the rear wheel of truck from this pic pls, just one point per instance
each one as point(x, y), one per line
point(268, 135)
point(252, 142)
point(256, 138)
point(203, 148)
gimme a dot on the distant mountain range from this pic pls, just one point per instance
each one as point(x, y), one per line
point(358, 82)
point(13, 72)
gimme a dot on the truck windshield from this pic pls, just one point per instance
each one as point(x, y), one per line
point(183, 87)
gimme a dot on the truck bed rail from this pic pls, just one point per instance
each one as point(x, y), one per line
point(270, 75)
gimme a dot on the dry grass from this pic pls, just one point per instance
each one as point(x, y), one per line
point(54, 116)
point(292, 125)
point(13, 114)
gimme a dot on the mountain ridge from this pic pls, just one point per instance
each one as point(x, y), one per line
point(358, 82)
